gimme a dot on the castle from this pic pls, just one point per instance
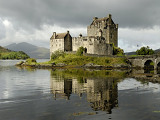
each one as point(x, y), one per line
point(102, 33)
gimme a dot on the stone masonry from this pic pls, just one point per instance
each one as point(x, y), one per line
point(101, 35)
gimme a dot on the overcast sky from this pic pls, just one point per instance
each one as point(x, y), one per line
point(34, 21)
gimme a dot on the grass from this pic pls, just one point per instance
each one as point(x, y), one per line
point(134, 55)
point(72, 59)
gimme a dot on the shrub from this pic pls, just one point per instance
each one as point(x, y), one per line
point(80, 51)
point(117, 51)
point(31, 60)
point(145, 51)
point(57, 54)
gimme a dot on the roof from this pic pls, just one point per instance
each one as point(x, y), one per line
point(59, 35)
point(100, 20)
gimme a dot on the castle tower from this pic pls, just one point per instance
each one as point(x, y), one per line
point(106, 27)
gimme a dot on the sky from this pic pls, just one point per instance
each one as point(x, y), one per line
point(34, 21)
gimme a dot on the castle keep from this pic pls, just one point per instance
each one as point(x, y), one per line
point(101, 35)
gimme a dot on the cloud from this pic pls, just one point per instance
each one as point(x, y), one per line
point(69, 13)
point(34, 20)
point(2, 30)
point(133, 39)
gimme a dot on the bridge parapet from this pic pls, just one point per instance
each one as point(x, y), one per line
point(139, 61)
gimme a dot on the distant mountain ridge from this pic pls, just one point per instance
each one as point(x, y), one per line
point(32, 50)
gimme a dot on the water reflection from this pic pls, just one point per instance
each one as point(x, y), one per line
point(99, 86)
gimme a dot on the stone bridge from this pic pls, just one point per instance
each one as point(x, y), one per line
point(141, 61)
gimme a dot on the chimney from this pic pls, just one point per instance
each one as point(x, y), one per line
point(95, 18)
point(80, 35)
point(110, 18)
point(54, 35)
point(117, 26)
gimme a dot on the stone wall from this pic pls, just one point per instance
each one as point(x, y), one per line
point(86, 42)
point(56, 44)
point(93, 45)
point(101, 48)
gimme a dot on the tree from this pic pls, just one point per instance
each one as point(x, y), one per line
point(117, 51)
point(80, 51)
point(145, 51)
point(57, 54)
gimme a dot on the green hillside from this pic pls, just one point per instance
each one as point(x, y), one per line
point(31, 50)
point(8, 54)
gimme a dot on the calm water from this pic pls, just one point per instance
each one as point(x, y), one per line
point(35, 94)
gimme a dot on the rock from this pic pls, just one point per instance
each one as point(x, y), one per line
point(60, 64)
point(89, 64)
point(20, 63)
point(53, 64)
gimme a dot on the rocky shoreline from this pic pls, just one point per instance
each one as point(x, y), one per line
point(64, 66)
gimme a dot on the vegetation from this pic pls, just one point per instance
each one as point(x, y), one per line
point(145, 51)
point(57, 54)
point(31, 61)
point(8, 54)
point(74, 59)
point(117, 51)
point(80, 51)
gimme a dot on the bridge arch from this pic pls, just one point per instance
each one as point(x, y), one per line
point(149, 64)
point(142, 61)
point(158, 65)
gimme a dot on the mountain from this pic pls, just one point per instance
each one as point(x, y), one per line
point(2, 49)
point(157, 51)
point(130, 53)
point(32, 50)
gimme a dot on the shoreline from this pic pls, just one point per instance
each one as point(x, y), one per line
point(98, 67)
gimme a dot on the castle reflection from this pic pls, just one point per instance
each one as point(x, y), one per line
point(101, 91)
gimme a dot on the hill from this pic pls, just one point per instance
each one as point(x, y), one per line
point(8, 54)
point(157, 51)
point(2, 49)
point(130, 53)
point(32, 50)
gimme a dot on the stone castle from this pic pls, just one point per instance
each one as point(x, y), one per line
point(102, 33)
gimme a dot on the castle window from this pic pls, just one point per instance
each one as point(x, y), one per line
point(111, 35)
point(59, 44)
